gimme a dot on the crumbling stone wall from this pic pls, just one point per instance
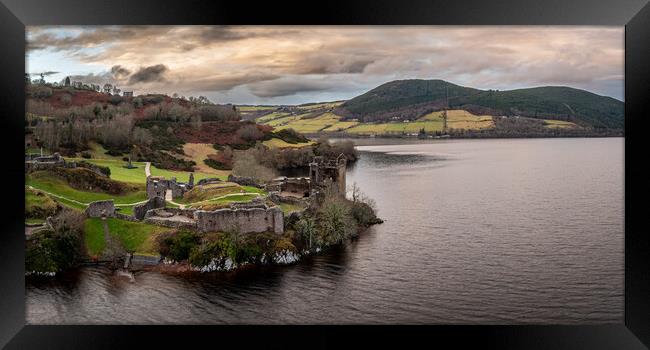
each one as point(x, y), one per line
point(209, 180)
point(171, 217)
point(277, 198)
point(140, 210)
point(100, 208)
point(296, 185)
point(244, 220)
point(242, 180)
point(254, 203)
point(158, 186)
point(323, 170)
point(168, 212)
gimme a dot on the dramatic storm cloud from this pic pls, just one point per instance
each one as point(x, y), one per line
point(149, 74)
point(297, 64)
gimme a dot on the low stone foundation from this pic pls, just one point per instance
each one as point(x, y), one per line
point(241, 180)
point(126, 217)
point(278, 198)
point(139, 211)
point(100, 208)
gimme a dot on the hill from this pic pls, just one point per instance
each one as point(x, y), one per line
point(411, 99)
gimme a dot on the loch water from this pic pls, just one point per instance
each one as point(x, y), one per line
point(507, 231)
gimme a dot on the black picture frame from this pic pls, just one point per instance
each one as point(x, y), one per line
point(633, 14)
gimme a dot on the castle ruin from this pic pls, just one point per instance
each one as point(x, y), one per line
point(322, 170)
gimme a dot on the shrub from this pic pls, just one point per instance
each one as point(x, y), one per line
point(39, 205)
point(250, 132)
point(290, 136)
point(246, 165)
point(335, 221)
point(113, 152)
point(40, 91)
point(66, 99)
point(216, 164)
point(306, 229)
point(206, 252)
point(84, 179)
point(116, 100)
point(178, 245)
point(59, 248)
point(85, 155)
point(104, 170)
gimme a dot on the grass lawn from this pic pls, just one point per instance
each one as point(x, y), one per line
point(137, 175)
point(210, 203)
point(34, 221)
point(287, 208)
point(118, 171)
point(61, 189)
point(183, 176)
point(206, 192)
point(71, 204)
point(135, 237)
point(126, 210)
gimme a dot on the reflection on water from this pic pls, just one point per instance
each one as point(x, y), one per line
point(476, 231)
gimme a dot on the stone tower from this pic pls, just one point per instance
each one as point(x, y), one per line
point(332, 169)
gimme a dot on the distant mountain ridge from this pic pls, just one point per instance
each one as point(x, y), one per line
point(409, 99)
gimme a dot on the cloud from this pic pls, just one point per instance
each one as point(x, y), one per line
point(120, 72)
point(332, 64)
point(228, 82)
point(46, 73)
point(286, 87)
point(280, 61)
point(92, 78)
point(149, 74)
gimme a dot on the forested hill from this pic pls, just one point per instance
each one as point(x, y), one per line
point(409, 99)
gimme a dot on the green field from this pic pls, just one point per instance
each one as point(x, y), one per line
point(278, 143)
point(59, 189)
point(559, 124)
point(330, 122)
point(311, 125)
point(137, 175)
point(183, 176)
point(280, 121)
point(287, 208)
point(118, 171)
point(135, 237)
point(271, 116)
point(255, 108)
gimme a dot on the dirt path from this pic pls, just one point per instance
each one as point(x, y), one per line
point(147, 169)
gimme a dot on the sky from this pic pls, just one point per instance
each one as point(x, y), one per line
point(301, 64)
